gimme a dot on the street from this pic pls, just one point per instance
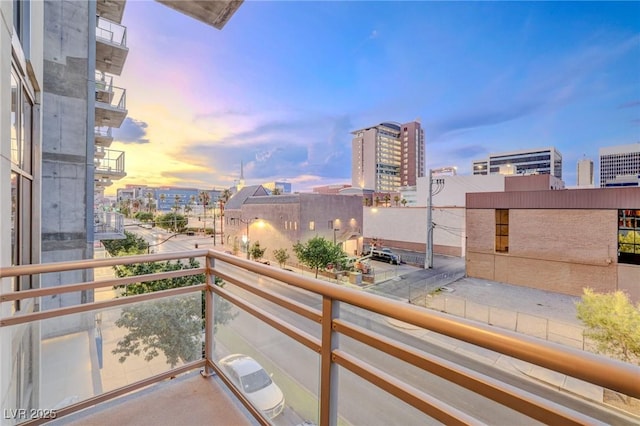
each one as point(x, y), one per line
point(296, 369)
point(364, 403)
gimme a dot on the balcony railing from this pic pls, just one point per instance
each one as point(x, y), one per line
point(111, 106)
point(103, 136)
point(111, 46)
point(111, 32)
point(111, 161)
point(108, 225)
point(335, 352)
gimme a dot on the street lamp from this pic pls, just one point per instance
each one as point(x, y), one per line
point(246, 237)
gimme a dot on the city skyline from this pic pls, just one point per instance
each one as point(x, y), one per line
point(281, 87)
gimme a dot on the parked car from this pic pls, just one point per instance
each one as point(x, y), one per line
point(385, 255)
point(253, 381)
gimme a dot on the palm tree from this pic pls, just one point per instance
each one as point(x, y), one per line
point(404, 202)
point(205, 199)
point(222, 199)
point(149, 200)
point(176, 203)
point(276, 191)
point(387, 198)
point(396, 199)
point(163, 197)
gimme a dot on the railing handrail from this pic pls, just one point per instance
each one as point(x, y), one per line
point(598, 370)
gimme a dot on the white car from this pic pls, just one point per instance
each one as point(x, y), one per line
point(255, 383)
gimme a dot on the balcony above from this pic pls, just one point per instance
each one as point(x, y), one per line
point(111, 46)
point(214, 13)
point(109, 164)
point(111, 106)
point(103, 136)
point(111, 9)
point(108, 226)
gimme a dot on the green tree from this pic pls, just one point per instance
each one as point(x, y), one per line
point(396, 199)
point(256, 252)
point(130, 245)
point(172, 222)
point(387, 199)
point(318, 253)
point(276, 191)
point(172, 326)
point(613, 322)
point(281, 255)
point(404, 202)
point(144, 216)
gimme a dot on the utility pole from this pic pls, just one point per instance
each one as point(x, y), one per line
point(428, 261)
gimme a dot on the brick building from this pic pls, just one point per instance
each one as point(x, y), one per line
point(559, 241)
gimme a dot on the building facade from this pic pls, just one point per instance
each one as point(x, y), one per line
point(388, 156)
point(405, 226)
point(538, 239)
point(620, 165)
point(523, 162)
point(279, 222)
point(584, 175)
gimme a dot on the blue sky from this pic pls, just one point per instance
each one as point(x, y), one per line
point(281, 87)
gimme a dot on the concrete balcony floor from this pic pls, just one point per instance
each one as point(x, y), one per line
point(189, 399)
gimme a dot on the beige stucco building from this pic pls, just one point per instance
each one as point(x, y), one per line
point(280, 221)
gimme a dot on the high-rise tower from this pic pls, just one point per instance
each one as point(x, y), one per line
point(387, 156)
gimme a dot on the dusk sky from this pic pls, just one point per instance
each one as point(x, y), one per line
point(283, 84)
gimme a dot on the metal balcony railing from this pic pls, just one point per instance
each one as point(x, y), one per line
point(111, 32)
point(108, 224)
point(111, 96)
point(328, 347)
point(109, 161)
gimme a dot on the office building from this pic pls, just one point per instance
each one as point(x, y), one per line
point(523, 162)
point(387, 156)
point(620, 165)
point(584, 176)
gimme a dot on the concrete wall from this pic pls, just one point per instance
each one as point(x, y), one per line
point(550, 249)
point(406, 228)
point(455, 188)
point(69, 28)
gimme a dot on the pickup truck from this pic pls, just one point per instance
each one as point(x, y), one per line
point(384, 255)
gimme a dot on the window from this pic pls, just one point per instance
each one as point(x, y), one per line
point(629, 236)
point(502, 230)
point(21, 121)
point(330, 224)
point(312, 226)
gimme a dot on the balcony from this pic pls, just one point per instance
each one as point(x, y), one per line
point(338, 354)
point(111, 46)
point(214, 13)
point(111, 9)
point(109, 164)
point(111, 103)
point(108, 226)
point(103, 136)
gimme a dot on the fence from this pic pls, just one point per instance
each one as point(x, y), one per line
point(531, 325)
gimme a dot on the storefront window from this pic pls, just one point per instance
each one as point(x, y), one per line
point(629, 236)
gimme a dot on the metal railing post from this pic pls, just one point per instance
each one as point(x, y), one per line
point(328, 370)
point(209, 316)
